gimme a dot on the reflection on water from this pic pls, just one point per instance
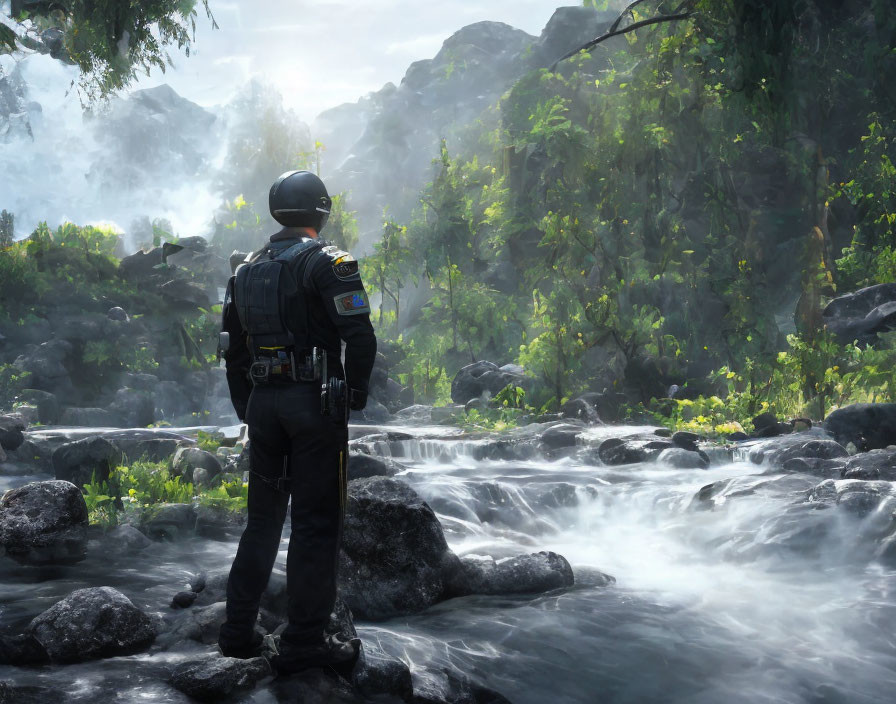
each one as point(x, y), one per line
point(760, 599)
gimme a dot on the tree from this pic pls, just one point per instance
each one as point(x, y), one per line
point(109, 40)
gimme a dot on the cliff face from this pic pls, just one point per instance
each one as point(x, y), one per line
point(380, 148)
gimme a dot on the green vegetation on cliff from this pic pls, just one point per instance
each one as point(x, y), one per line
point(674, 207)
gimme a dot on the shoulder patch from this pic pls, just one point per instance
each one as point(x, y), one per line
point(352, 303)
point(346, 268)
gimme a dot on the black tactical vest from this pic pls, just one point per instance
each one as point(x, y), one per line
point(269, 296)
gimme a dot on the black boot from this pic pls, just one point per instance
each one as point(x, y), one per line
point(244, 651)
point(329, 652)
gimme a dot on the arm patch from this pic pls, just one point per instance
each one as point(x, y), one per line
point(345, 268)
point(352, 303)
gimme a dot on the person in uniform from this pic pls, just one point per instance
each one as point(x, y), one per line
point(288, 309)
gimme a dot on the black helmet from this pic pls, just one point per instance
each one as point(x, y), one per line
point(300, 199)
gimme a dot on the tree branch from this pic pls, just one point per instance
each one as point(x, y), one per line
point(618, 32)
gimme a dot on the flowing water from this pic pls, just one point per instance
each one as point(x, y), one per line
point(756, 600)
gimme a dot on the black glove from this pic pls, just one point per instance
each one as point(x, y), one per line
point(357, 399)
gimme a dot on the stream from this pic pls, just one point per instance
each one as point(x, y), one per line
point(746, 602)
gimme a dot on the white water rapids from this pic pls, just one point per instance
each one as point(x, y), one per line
point(751, 601)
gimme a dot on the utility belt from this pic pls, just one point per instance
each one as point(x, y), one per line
point(274, 364)
point(278, 364)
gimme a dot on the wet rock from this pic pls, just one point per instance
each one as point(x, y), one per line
point(826, 469)
point(580, 409)
point(361, 466)
point(48, 408)
point(46, 363)
point(776, 452)
point(394, 554)
point(378, 673)
point(444, 686)
point(876, 464)
point(374, 412)
point(505, 449)
point(168, 521)
point(214, 678)
point(417, 414)
point(315, 685)
point(183, 600)
point(44, 523)
point(28, 413)
point(679, 458)
point(562, 435)
point(22, 649)
point(92, 623)
point(525, 574)
point(868, 426)
point(122, 540)
point(11, 431)
point(561, 496)
point(132, 408)
point(862, 315)
point(479, 378)
point(12, 693)
point(188, 459)
point(685, 440)
point(87, 418)
point(630, 450)
point(149, 445)
point(218, 523)
point(718, 494)
point(83, 461)
point(859, 498)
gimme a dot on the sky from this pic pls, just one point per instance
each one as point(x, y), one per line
point(322, 54)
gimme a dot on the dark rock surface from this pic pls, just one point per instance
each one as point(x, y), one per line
point(44, 523)
point(92, 623)
point(394, 554)
point(188, 459)
point(443, 686)
point(83, 461)
point(169, 521)
point(862, 315)
point(629, 450)
point(378, 673)
point(525, 574)
point(479, 378)
point(680, 458)
point(48, 408)
point(876, 464)
point(777, 451)
point(214, 678)
point(11, 435)
point(868, 426)
point(561, 435)
point(362, 466)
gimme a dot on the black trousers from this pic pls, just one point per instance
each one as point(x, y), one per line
point(285, 425)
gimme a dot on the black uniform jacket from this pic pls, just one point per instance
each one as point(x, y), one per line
point(338, 310)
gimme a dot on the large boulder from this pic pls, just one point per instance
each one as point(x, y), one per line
point(132, 408)
point(215, 678)
point(92, 623)
point(362, 466)
point(525, 574)
point(876, 464)
point(479, 378)
point(87, 418)
point(394, 556)
point(46, 364)
point(48, 408)
point(631, 450)
point(378, 673)
point(188, 459)
point(778, 451)
point(83, 461)
point(862, 315)
point(169, 521)
point(11, 431)
point(868, 426)
point(44, 523)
